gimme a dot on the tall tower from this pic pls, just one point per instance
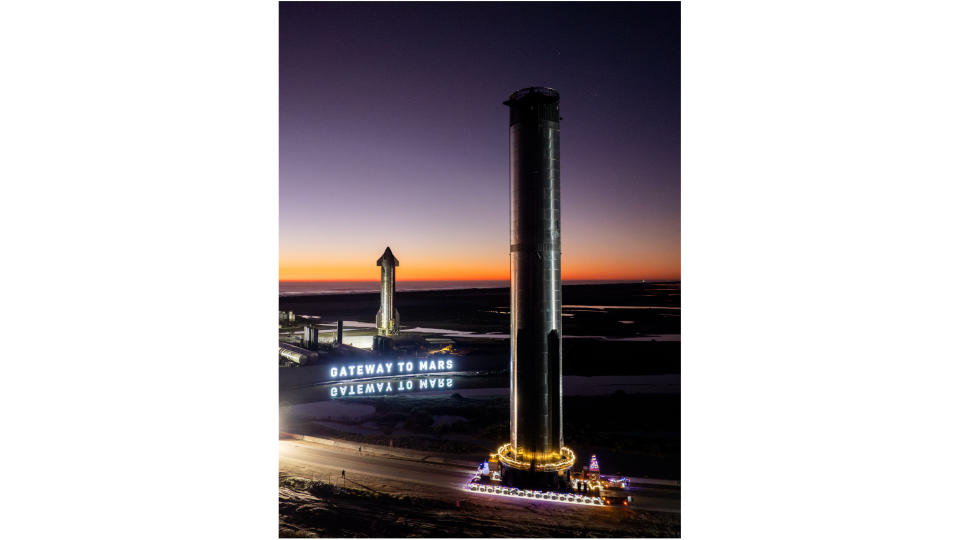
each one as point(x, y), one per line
point(535, 455)
point(388, 320)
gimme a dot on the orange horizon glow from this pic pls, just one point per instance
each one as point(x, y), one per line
point(371, 273)
point(592, 253)
point(626, 279)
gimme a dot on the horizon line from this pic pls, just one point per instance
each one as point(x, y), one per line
point(626, 280)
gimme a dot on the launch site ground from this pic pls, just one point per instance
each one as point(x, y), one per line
point(621, 402)
point(388, 492)
point(631, 433)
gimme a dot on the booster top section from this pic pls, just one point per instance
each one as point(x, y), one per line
point(534, 104)
point(388, 258)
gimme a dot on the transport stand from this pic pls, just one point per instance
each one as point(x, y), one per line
point(551, 481)
point(519, 471)
point(517, 493)
point(522, 480)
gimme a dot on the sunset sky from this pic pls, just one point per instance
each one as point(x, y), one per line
point(393, 132)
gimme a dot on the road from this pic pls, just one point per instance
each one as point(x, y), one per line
point(414, 476)
point(327, 459)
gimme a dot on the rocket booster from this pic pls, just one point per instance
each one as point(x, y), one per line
point(536, 393)
point(388, 319)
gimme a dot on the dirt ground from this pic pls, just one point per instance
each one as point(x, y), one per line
point(360, 509)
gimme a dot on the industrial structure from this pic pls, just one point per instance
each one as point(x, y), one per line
point(388, 319)
point(291, 355)
point(535, 455)
point(311, 337)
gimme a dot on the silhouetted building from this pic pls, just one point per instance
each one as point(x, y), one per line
point(382, 344)
point(311, 337)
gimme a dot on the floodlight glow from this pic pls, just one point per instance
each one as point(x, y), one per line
point(507, 454)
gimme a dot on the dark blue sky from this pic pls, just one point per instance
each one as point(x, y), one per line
point(392, 131)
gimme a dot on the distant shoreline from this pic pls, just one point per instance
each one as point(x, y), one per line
point(454, 286)
point(593, 309)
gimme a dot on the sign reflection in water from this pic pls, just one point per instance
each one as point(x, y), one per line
point(393, 386)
